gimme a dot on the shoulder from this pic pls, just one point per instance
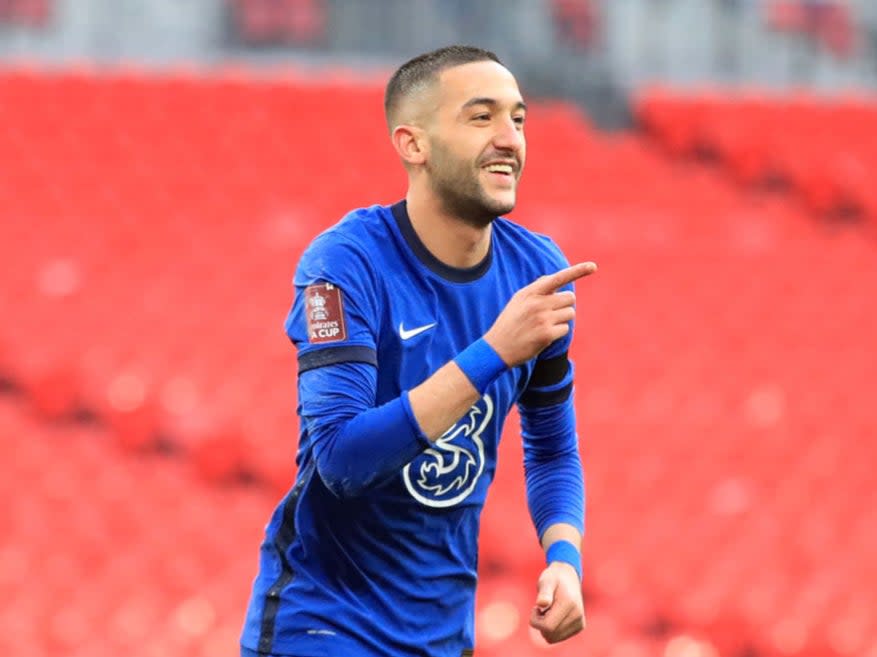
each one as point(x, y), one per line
point(532, 247)
point(358, 230)
point(346, 249)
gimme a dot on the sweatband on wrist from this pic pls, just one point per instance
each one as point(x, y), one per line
point(565, 552)
point(481, 364)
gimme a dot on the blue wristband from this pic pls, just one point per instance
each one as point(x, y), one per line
point(565, 552)
point(481, 364)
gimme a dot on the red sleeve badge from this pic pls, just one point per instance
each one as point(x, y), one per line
point(324, 310)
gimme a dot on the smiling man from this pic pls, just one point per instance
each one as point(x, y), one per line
point(418, 327)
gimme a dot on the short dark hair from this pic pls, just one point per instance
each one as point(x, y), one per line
point(424, 68)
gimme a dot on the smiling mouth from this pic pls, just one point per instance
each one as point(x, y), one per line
point(506, 173)
point(506, 169)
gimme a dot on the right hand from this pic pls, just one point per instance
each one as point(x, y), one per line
point(536, 316)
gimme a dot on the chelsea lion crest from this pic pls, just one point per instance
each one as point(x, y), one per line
point(446, 473)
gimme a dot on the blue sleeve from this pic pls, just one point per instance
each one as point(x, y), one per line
point(335, 262)
point(355, 444)
point(552, 464)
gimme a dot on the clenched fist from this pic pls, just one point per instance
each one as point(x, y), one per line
point(559, 612)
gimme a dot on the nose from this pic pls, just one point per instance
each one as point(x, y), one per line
point(508, 136)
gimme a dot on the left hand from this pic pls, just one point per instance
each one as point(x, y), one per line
point(559, 612)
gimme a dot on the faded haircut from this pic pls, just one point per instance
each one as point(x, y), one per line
point(418, 73)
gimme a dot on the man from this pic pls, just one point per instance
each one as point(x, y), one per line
point(418, 326)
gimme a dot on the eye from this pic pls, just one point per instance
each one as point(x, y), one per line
point(519, 120)
point(481, 117)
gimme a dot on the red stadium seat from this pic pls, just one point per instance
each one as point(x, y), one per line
point(819, 146)
point(141, 533)
point(723, 396)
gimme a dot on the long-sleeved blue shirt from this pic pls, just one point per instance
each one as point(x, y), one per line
point(374, 550)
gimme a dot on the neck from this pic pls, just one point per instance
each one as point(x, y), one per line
point(450, 239)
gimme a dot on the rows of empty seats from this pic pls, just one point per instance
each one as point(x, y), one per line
point(824, 148)
point(155, 223)
point(106, 553)
point(150, 225)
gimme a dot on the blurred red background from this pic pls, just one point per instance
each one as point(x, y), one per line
point(149, 227)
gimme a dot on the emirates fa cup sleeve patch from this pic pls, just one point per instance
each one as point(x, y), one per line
point(325, 313)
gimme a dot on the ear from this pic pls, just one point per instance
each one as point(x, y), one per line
point(410, 143)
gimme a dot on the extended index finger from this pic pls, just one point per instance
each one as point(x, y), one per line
point(551, 282)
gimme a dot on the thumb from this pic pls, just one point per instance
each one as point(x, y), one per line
point(545, 596)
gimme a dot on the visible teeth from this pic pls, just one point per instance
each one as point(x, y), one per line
point(500, 168)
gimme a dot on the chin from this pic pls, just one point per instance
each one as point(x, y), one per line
point(503, 205)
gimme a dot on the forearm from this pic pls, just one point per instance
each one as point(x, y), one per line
point(357, 445)
point(555, 494)
point(445, 396)
point(355, 454)
point(354, 443)
point(442, 399)
point(553, 467)
point(561, 531)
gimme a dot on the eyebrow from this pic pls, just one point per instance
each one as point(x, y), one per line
point(492, 102)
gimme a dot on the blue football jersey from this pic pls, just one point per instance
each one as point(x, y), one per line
point(392, 570)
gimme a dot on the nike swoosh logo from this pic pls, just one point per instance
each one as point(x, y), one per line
point(410, 333)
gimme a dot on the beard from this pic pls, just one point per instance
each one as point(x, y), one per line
point(459, 190)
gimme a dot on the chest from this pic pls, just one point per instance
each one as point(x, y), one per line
point(426, 323)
